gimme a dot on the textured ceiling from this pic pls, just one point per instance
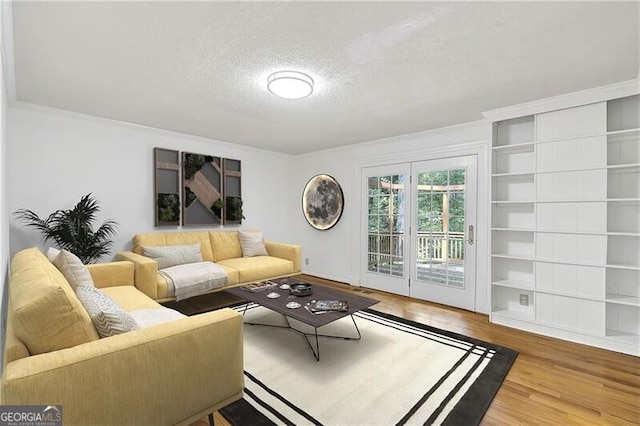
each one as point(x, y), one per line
point(381, 68)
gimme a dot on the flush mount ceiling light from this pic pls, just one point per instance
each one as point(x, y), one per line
point(290, 84)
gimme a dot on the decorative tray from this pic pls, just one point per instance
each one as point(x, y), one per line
point(328, 305)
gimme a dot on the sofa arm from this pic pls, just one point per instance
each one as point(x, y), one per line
point(290, 252)
point(145, 272)
point(112, 274)
point(167, 374)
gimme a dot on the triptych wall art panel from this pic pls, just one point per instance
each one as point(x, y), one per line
point(167, 184)
point(211, 189)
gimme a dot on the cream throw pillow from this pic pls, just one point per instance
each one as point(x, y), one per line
point(252, 244)
point(73, 269)
point(108, 317)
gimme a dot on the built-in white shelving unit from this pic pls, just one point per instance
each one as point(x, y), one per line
point(565, 223)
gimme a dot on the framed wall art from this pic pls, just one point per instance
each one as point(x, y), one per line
point(232, 186)
point(202, 186)
point(167, 187)
point(322, 202)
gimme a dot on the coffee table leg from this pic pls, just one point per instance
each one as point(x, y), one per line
point(316, 352)
point(305, 335)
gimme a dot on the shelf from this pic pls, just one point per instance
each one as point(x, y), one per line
point(515, 315)
point(570, 138)
point(622, 266)
point(569, 262)
point(595, 200)
point(624, 166)
point(509, 256)
point(551, 231)
point(577, 169)
point(514, 147)
point(621, 200)
point(513, 174)
point(584, 331)
point(580, 169)
point(613, 136)
point(622, 299)
point(627, 338)
point(570, 295)
point(519, 284)
point(513, 229)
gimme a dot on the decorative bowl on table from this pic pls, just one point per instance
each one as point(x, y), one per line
point(300, 289)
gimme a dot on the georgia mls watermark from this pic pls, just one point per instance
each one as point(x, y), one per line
point(30, 415)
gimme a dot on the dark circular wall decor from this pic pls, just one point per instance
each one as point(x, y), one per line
point(322, 202)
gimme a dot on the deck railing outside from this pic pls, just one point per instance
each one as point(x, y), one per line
point(431, 246)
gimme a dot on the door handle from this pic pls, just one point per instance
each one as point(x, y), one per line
point(470, 240)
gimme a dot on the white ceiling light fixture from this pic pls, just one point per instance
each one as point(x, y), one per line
point(290, 84)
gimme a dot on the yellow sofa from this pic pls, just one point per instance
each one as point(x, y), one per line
point(171, 373)
point(221, 247)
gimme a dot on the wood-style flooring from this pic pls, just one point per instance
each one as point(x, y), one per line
point(552, 382)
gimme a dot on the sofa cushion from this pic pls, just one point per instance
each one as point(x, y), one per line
point(259, 267)
point(168, 256)
point(73, 269)
point(46, 312)
point(174, 239)
point(252, 244)
point(108, 317)
point(225, 245)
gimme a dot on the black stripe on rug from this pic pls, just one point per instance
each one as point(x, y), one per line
point(469, 410)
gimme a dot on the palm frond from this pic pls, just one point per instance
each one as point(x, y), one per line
point(72, 229)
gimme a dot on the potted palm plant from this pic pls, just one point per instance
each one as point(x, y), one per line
point(72, 230)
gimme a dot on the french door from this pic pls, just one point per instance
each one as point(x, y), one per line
point(419, 230)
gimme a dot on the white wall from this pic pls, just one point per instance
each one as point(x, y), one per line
point(4, 210)
point(335, 253)
point(55, 157)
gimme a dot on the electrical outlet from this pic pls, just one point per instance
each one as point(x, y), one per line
point(524, 299)
point(306, 260)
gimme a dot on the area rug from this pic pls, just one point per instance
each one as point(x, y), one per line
point(400, 372)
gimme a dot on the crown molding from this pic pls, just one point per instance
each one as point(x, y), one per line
point(569, 100)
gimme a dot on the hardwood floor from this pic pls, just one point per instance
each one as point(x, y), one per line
point(551, 382)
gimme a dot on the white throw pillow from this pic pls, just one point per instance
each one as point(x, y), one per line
point(252, 244)
point(52, 252)
point(168, 256)
point(73, 269)
point(154, 316)
point(107, 316)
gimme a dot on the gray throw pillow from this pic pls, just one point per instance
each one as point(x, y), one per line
point(168, 256)
point(107, 316)
point(73, 269)
point(252, 244)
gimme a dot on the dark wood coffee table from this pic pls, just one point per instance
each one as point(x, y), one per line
point(315, 320)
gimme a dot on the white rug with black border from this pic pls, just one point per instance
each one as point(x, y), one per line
point(400, 372)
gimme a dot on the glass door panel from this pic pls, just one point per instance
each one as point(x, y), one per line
point(444, 218)
point(386, 219)
point(440, 212)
